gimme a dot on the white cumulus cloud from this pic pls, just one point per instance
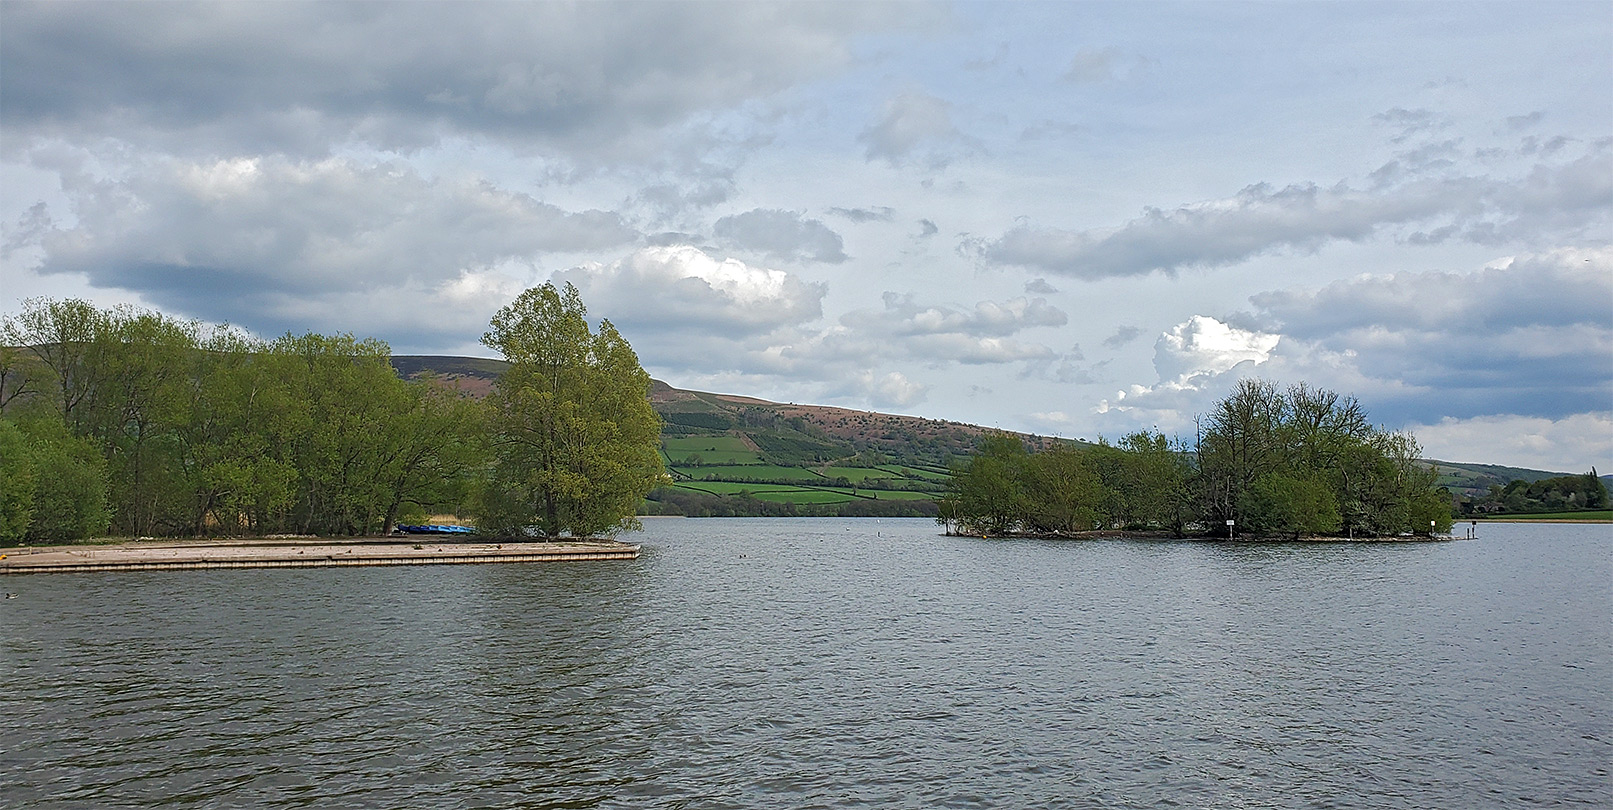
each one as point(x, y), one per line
point(1570, 444)
point(1202, 347)
point(680, 288)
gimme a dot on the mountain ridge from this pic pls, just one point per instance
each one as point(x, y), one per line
point(813, 434)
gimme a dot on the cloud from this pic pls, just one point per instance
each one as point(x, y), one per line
point(927, 229)
point(1122, 336)
point(1039, 286)
point(1049, 129)
point(301, 78)
point(996, 59)
point(902, 315)
point(1202, 347)
point(1550, 200)
point(232, 239)
point(938, 335)
point(892, 389)
point(1098, 65)
point(667, 200)
point(1195, 361)
point(670, 238)
point(1570, 444)
point(681, 289)
point(1517, 123)
point(914, 126)
point(1409, 123)
point(29, 231)
point(1530, 337)
point(861, 215)
point(782, 235)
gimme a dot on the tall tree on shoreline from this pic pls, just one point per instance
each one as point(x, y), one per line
point(573, 436)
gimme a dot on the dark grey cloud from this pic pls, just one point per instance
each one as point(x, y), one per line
point(1532, 336)
point(1551, 201)
point(210, 238)
point(862, 215)
point(1523, 340)
point(1039, 286)
point(238, 78)
point(696, 315)
point(783, 235)
point(1533, 145)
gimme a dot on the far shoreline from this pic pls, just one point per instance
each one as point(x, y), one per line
point(1154, 534)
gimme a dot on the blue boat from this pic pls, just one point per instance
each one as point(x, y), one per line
point(436, 529)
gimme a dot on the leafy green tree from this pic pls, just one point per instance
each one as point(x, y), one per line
point(234, 445)
point(440, 450)
point(987, 494)
point(1240, 442)
point(350, 425)
point(17, 476)
point(114, 378)
point(574, 440)
point(1062, 492)
point(143, 363)
point(1282, 504)
point(64, 336)
point(1153, 482)
point(19, 378)
point(68, 501)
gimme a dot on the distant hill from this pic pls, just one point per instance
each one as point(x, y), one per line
point(790, 433)
point(724, 444)
point(738, 455)
point(1476, 479)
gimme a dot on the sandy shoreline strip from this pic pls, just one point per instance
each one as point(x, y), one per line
point(258, 553)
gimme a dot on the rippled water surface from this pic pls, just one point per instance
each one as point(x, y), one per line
point(830, 663)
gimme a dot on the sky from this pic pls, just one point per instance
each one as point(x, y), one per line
point(1073, 219)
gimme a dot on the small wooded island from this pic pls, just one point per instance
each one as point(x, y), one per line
point(1266, 464)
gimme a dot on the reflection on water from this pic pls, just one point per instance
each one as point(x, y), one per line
point(830, 663)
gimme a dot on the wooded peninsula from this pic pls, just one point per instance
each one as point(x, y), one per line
point(140, 424)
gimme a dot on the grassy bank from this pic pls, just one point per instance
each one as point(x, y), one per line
point(1581, 516)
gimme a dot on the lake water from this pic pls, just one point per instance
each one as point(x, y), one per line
point(831, 663)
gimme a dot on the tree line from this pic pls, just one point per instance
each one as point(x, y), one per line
point(131, 422)
point(1564, 493)
point(1265, 462)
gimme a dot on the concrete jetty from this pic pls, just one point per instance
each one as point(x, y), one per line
point(276, 553)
